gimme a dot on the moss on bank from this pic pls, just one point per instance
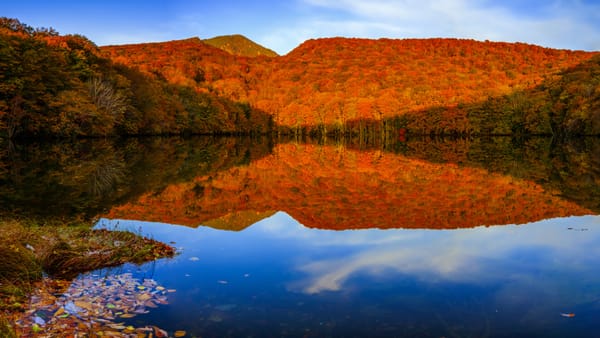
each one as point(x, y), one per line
point(29, 249)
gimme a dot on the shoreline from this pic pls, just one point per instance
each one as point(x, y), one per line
point(37, 254)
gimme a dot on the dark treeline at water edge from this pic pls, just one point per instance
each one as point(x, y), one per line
point(85, 178)
point(54, 86)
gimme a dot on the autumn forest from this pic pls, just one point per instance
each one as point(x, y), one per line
point(65, 86)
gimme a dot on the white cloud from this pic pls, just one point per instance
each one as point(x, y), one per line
point(558, 24)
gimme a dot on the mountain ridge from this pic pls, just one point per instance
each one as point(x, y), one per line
point(341, 85)
point(336, 86)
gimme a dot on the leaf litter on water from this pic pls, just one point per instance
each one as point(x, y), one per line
point(92, 304)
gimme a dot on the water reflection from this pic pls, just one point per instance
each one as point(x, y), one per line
point(278, 277)
point(283, 271)
point(230, 183)
point(332, 187)
point(85, 178)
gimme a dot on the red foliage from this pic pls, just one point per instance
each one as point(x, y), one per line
point(335, 80)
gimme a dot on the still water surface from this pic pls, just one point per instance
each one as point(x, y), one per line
point(279, 278)
point(428, 238)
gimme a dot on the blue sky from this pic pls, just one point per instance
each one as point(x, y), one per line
point(282, 25)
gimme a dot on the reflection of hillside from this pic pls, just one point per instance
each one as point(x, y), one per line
point(336, 188)
point(571, 168)
point(82, 179)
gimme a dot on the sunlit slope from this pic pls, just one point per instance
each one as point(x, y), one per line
point(335, 188)
point(336, 81)
point(239, 45)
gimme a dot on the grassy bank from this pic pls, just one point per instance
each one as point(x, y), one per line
point(29, 249)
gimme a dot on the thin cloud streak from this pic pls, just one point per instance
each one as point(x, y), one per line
point(569, 25)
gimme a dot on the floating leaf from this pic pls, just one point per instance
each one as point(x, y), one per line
point(84, 305)
point(144, 297)
point(59, 312)
point(568, 315)
point(91, 303)
point(160, 333)
point(180, 333)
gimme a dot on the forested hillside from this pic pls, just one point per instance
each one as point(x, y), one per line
point(52, 85)
point(344, 85)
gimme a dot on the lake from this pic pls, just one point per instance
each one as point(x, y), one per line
point(493, 237)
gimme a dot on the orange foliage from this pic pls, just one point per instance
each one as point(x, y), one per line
point(336, 188)
point(327, 81)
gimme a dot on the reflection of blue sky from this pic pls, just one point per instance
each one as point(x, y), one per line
point(469, 255)
point(536, 269)
point(478, 255)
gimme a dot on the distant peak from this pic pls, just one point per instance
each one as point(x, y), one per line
point(238, 44)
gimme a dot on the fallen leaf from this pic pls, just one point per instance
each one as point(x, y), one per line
point(568, 315)
point(180, 333)
point(59, 312)
point(83, 305)
point(127, 315)
point(144, 297)
point(160, 333)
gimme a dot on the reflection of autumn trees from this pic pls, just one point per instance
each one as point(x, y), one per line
point(336, 188)
point(82, 179)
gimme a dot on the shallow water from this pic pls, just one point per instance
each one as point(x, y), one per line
point(279, 278)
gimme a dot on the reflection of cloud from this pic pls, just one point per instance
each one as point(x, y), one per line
point(468, 255)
